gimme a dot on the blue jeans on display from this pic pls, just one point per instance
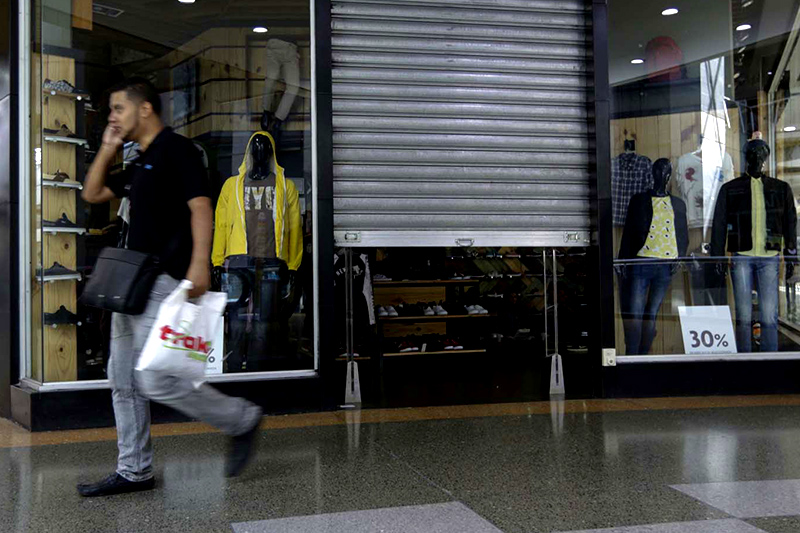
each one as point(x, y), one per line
point(257, 311)
point(765, 272)
point(642, 291)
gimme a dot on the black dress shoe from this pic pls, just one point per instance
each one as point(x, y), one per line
point(242, 449)
point(61, 317)
point(114, 484)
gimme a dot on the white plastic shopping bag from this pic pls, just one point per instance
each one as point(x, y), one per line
point(184, 334)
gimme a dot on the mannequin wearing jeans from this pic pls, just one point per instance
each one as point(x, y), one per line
point(656, 234)
point(753, 219)
point(282, 62)
point(256, 281)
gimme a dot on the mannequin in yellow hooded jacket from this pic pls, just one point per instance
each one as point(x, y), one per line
point(258, 237)
point(230, 227)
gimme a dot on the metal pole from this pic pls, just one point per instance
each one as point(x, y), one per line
point(555, 298)
point(546, 307)
point(348, 303)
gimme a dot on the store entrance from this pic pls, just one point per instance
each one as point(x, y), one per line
point(434, 326)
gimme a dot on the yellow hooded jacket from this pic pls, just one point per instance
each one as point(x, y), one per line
point(230, 231)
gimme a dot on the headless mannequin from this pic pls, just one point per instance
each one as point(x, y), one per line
point(649, 274)
point(256, 281)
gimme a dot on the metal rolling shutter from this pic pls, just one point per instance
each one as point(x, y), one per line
point(461, 120)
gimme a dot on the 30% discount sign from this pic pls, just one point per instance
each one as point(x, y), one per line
point(707, 329)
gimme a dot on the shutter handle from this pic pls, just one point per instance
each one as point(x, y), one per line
point(465, 243)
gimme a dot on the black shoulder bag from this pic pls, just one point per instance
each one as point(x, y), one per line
point(121, 281)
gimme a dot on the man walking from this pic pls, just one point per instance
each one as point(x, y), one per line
point(170, 218)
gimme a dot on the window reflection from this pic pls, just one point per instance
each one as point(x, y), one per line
point(704, 199)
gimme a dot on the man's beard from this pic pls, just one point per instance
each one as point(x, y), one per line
point(130, 136)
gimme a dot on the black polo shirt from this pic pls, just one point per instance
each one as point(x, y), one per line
point(159, 183)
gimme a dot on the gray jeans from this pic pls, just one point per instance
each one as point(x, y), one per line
point(132, 391)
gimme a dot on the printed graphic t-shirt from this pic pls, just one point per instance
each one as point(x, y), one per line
point(699, 181)
point(259, 205)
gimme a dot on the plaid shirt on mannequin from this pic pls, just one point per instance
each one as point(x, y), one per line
point(631, 174)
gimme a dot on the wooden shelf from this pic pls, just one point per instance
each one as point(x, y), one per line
point(443, 352)
point(424, 282)
point(359, 358)
point(423, 318)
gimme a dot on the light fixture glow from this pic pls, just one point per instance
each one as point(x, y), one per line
point(186, 1)
point(670, 11)
point(260, 29)
point(743, 27)
point(637, 61)
point(769, 73)
point(789, 129)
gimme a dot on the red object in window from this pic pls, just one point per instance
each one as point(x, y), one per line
point(664, 59)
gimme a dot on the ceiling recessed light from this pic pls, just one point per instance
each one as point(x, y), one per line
point(186, 1)
point(743, 27)
point(747, 3)
point(637, 61)
point(769, 73)
point(790, 129)
point(260, 29)
point(670, 11)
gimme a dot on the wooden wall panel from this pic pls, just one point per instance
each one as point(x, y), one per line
point(59, 361)
point(82, 14)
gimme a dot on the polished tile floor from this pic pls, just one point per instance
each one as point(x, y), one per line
point(694, 465)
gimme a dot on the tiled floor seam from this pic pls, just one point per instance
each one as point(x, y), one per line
point(453, 497)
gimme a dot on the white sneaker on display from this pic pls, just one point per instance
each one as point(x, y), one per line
point(440, 311)
point(428, 311)
point(481, 310)
point(382, 312)
point(472, 310)
point(391, 311)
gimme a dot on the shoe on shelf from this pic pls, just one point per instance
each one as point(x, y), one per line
point(63, 131)
point(480, 310)
point(61, 317)
point(381, 312)
point(391, 311)
point(58, 176)
point(242, 448)
point(473, 310)
point(451, 344)
point(457, 276)
point(59, 270)
point(428, 311)
point(407, 347)
point(381, 277)
point(62, 86)
point(114, 484)
point(440, 311)
point(62, 222)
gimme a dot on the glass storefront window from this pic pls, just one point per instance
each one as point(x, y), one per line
point(229, 79)
point(704, 130)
